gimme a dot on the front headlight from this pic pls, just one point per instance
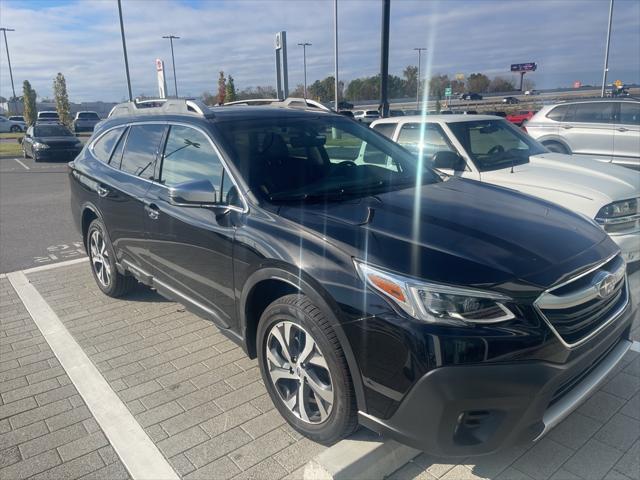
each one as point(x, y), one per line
point(40, 146)
point(619, 216)
point(434, 302)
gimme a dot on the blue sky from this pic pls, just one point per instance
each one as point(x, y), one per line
point(82, 39)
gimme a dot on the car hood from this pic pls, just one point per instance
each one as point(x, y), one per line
point(461, 232)
point(576, 182)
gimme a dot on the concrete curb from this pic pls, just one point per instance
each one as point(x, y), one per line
point(363, 456)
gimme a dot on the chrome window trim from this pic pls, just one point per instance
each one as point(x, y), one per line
point(614, 316)
point(245, 205)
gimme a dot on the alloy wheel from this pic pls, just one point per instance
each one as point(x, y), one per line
point(100, 260)
point(298, 370)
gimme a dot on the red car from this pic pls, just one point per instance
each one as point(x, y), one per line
point(520, 117)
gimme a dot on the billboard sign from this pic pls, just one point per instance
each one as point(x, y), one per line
point(577, 84)
point(524, 67)
point(162, 82)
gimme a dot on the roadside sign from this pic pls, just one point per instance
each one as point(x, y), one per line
point(447, 92)
point(460, 77)
point(162, 82)
point(618, 83)
point(524, 67)
point(577, 84)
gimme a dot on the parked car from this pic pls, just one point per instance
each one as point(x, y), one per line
point(491, 150)
point(7, 125)
point(85, 121)
point(50, 141)
point(396, 113)
point(346, 113)
point(48, 116)
point(366, 116)
point(20, 119)
point(607, 129)
point(510, 100)
point(471, 96)
point(428, 307)
point(532, 92)
point(520, 117)
point(497, 113)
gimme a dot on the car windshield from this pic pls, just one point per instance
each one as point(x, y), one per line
point(88, 116)
point(51, 131)
point(47, 115)
point(495, 144)
point(323, 158)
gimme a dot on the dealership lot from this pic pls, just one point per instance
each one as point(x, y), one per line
point(202, 403)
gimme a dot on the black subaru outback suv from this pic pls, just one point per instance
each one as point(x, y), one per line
point(452, 315)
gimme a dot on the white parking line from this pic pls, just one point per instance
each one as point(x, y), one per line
point(635, 346)
point(138, 453)
point(20, 162)
point(54, 265)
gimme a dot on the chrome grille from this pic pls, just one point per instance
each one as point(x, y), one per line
point(578, 309)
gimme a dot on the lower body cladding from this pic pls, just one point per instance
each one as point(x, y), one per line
point(477, 409)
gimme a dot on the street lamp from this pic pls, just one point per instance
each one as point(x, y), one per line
point(606, 52)
point(124, 49)
point(173, 61)
point(6, 45)
point(304, 62)
point(419, 50)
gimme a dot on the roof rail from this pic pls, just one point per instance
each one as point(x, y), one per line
point(291, 102)
point(161, 106)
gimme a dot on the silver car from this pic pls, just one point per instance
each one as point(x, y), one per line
point(607, 129)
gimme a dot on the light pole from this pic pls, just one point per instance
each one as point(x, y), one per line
point(6, 45)
point(124, 49)
point(419, 50)
point(304, 63)
point(335, 48)
point(173, 62)
point(606, 52)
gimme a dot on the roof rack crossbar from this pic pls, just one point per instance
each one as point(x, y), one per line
point(291, 102)
point(162, 106)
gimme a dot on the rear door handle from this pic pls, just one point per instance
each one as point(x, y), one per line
point(102, 191)
point(567, 127)
point(622, 129)
point(152, 210)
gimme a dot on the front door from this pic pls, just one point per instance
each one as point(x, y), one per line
point(626, 147)
point(190, 248)
point(588, 129)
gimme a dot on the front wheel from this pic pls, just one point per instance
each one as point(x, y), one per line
point(103, 266)
point(305, 370)
point(557, 148)
point(15, 128)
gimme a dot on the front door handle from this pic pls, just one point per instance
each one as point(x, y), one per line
point(622, 129)
point(567, 127)
point(152, 210)
point(102, 191)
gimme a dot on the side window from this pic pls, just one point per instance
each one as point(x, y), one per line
point(104, 146)
point(629, 113)
point(141, 149)
point(597, 112)
point(434, 139)
point(189, 156)
point(557, 114)
point(385, 129)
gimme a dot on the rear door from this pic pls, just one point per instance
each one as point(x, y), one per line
point(123, 186)
point(190, 248)
point(626, 147)
point(588, 129)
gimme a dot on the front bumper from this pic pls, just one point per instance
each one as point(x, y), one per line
point(58, 155)
point(478, 409)
point(629, 245)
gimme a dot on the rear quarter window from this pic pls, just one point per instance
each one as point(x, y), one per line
point(103, 148)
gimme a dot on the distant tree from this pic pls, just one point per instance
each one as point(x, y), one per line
point(62, 99)
point(3, 100)
point(298, 91)
point(222, 88)
point(457, 86)
point(501, 84)
point(230, 90)
point(208, 98)
point(528, 84)
point(257, 92)
point(29, 98)
point(437, 84)
point(478, 83)
point(323, 90)
point(410, 74)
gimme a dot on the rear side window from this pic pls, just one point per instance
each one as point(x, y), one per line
point(557, 114)
point(189, 156)
point(597, 112)
point(103, 148)
point(630, 113)
point(385, 129)
point(141, 149)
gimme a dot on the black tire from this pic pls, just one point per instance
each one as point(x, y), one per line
point(298, 310)
point(24, 153)
point(15, 128)
point(117, 284)
point(557, 147)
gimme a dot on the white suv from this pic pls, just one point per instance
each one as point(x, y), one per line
point(490, 149)
point(607, 129)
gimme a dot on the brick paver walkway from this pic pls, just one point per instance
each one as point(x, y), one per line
point(46, 431)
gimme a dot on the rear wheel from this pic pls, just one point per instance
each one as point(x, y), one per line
point(15, 128)
point(103, 266)
point(305, 370)
point(557, 147)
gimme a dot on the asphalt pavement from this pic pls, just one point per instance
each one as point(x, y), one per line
point(36, 227)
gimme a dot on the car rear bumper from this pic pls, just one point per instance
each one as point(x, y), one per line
point(478, 409)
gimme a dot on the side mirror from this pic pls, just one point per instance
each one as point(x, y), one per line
point(196, 193)
point(448, 160)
